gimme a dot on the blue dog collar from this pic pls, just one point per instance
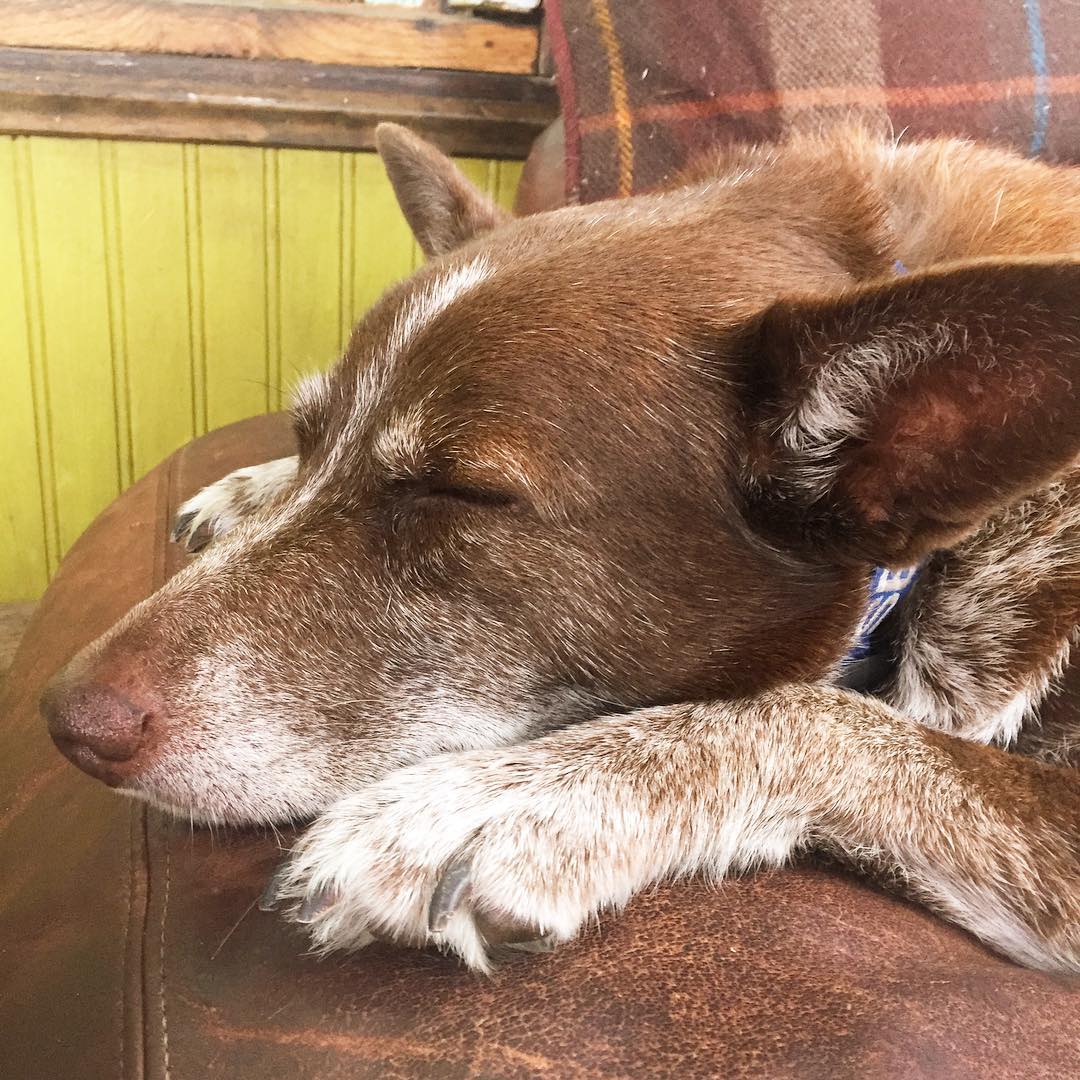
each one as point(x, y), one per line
point(887, 589)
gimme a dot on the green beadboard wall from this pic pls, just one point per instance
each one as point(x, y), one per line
point(153, 291)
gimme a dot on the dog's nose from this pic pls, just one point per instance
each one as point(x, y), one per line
point(96, 727)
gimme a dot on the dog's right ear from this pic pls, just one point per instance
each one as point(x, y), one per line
point(897, 418)
point(443, 209)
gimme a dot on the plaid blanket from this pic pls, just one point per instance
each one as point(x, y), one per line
point(646, 82)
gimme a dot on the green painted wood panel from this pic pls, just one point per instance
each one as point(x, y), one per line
point(382, 245)
point(77, 327)
point(153, 345)
point(24, 565)
point(154, 291)
point(233, 227)
point(310, 199)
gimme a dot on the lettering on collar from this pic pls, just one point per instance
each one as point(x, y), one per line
point(887, 589)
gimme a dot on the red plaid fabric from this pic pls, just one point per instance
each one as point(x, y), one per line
point(646, 83)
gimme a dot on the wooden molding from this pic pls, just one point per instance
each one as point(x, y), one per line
point(269, 102)
point(318, 32)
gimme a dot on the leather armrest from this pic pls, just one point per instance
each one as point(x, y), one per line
point(130, 945)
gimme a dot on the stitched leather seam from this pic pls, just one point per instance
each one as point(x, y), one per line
point(161, 956)
point(125, 1004)
point(132, 1045)
point(137, 993)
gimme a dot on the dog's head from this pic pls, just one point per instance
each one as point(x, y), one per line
point(593, 460)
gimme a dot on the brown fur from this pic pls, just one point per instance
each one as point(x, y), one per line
point(619, 458)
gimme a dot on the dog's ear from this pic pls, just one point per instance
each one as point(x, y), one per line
point(442, 208)
point(895, 419)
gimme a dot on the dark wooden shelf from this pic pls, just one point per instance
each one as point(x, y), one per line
point(266, 102)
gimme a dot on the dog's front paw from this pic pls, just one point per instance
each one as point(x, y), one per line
point(464, 851)
point(220, 507)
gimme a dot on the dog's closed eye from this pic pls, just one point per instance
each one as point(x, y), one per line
point(435, 491)
point(467, 493)
point(427, 508)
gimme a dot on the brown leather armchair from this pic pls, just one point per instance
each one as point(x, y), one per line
point(131, 945)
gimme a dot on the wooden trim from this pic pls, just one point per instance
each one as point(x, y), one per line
point(321, 33)
point(268, 103)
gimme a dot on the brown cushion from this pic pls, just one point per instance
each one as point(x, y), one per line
point(129, 944)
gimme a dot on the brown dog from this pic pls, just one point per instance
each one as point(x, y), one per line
point(553, 600)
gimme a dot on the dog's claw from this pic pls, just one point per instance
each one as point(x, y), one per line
point(311, 908)
point(270, 896)
point(181, 524)
point(453, 890)
point(202, 536)
point(537, 945)
point(316, 904)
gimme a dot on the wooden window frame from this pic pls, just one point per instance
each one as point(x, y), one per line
point(281, 73)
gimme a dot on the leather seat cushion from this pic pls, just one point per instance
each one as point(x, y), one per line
point(130, 945)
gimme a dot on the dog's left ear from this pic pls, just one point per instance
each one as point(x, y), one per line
point(896, 419)
point(443, 209)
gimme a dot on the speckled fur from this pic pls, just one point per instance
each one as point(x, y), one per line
point(545, 609)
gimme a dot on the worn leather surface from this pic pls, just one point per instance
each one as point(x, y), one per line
point(130, 946)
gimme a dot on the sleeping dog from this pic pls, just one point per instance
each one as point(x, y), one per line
point(666, 536)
